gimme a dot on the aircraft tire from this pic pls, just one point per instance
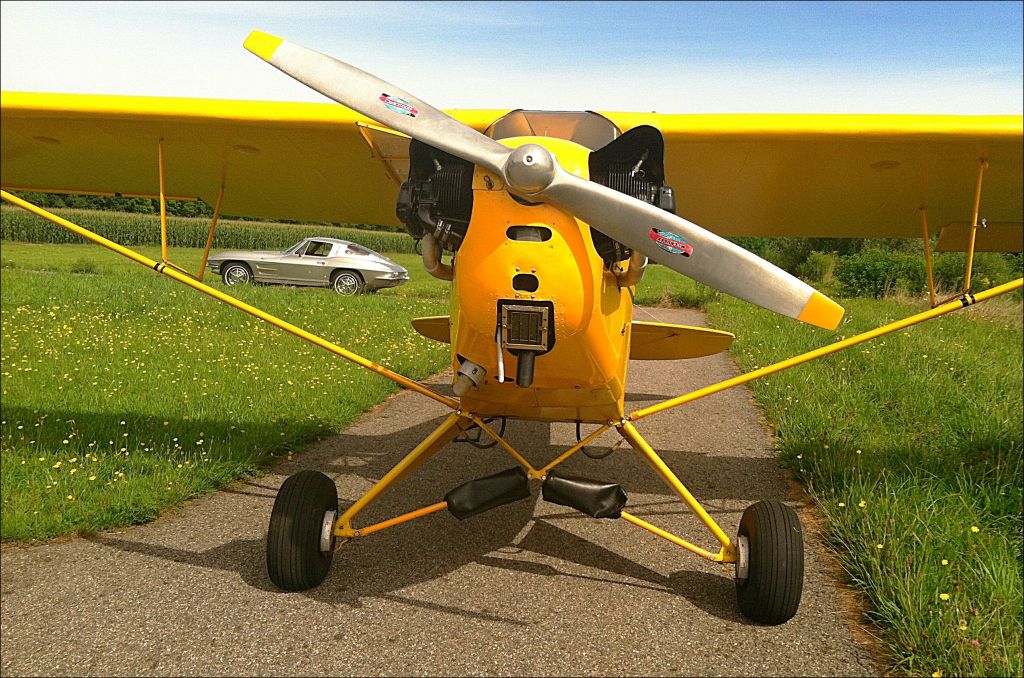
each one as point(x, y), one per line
point(295, 561)
point(770, 592)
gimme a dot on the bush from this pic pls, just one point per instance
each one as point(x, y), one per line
point(877, 273)
point(819, 266)
point(989, 269)
point(144, 229)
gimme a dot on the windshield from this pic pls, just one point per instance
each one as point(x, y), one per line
point(583, 127)
point(294, 248)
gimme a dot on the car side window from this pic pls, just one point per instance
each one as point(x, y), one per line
point(318, 249)
point(357, 250)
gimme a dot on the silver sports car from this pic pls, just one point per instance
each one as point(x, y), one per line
point(345, 267)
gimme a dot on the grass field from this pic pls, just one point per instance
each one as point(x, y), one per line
point(124, 394)
point(912, 445)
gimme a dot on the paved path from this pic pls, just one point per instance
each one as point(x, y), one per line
point(531, 588)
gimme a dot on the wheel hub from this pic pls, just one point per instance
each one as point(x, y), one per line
point(327, 531)
point(742, 558)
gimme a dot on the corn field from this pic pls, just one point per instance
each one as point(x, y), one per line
point(144, 229)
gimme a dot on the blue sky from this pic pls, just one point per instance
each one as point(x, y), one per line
point(670, 57)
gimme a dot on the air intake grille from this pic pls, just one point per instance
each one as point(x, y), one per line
point(525, 327)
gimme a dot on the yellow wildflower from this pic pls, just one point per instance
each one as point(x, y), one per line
point(975, 529)
point(943, 596)
point(862, 503)
point(945, 562)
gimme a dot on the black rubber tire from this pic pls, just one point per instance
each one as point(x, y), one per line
point(358, 286)
point(775, 579)
point(294, 559)
point(234, 264)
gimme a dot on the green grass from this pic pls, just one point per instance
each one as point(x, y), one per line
point(912, 445)
point(663, 287)
point(124, 393)
point(132, 229)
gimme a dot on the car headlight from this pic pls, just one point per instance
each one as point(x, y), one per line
point(395, 275)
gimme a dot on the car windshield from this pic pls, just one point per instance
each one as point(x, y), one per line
point(358, 250)
point(294, 248)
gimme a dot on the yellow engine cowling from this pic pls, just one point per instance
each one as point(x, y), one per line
point(582, 376)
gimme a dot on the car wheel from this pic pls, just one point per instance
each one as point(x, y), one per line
point(347, 283)
point(236, 274)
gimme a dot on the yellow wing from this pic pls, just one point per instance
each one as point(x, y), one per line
point(843, 175)
point(783, 175)
point(301, 161)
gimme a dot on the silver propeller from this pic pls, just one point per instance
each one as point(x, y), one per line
point(532, 171)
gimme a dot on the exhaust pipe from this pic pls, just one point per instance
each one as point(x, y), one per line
point(432, 259)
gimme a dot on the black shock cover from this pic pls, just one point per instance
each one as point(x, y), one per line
point(593, 497)
point(483, 494)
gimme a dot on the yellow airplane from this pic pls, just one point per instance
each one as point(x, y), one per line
point(550, 219)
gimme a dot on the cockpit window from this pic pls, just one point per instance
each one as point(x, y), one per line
point(583, 127)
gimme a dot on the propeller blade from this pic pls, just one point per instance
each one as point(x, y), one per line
point(378, 100)
point(691, 250)
point(532, 171)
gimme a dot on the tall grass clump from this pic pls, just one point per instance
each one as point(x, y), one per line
point(144, 229)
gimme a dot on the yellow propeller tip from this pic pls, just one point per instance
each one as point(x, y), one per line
point(821, 312)
point(262, 44)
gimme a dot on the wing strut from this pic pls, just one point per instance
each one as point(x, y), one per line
point(967, 299)
point(163, 219)
point(171, 272)
point(974, 225)
point(928, 256)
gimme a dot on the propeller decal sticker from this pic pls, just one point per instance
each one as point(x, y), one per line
point(398, 105)
point(670, 242)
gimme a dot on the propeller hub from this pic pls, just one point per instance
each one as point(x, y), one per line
point(530, 169)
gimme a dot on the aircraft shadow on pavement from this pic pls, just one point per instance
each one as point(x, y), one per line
point(425, 550)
